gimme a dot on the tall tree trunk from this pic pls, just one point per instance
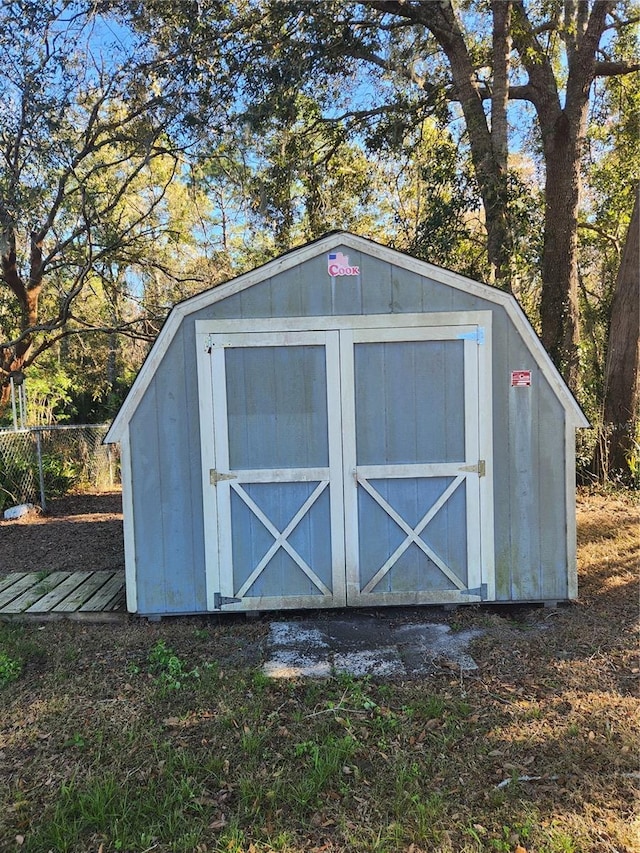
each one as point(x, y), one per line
point(488, 158)
point(441, 20)
point(501, 50)
point(563, 132)
point(500, 243)
point(559, 312)
point(26, 294)
point(622, 374)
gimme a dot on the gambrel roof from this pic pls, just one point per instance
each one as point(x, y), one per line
point(369, 248)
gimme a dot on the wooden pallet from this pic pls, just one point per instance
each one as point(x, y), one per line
point(72, 594)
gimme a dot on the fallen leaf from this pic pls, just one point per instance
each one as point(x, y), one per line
point(19, 839)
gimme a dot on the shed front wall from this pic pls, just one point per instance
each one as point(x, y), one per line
point(167, 542)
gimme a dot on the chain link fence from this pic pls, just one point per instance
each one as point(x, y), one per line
point(41, 463)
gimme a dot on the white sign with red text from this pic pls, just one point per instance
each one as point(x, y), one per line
point(520, 378)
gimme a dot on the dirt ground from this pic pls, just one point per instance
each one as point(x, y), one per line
point(536, 751)
point(78, 532)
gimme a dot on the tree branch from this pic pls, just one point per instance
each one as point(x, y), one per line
point(542, 81)
point(615, 69)
point(587, 226)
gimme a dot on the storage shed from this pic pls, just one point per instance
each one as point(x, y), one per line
point(347, 426)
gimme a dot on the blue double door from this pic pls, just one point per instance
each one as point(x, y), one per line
point(345, 467)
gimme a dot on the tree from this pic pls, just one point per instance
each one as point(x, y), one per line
point(622, 376)
point(543, 56)
point(561, 112)
point(91, 151)
point(309, 178)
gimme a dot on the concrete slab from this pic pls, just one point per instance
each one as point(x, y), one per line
point(296, 634)
point(361, 644)
point(291, 663)
point(359, 632)
point(378, 661)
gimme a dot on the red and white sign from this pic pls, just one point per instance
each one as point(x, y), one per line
point(520, 378)
point(338, 264)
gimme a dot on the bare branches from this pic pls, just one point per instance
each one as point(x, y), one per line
point(89, 162)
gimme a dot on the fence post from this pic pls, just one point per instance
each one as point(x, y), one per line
point(14, 411)
point(110, 458)
point(43, 500)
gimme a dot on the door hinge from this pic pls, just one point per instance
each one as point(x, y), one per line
point(480, 469)
point(476, 335)
point(480, 591)
point(215, 477)
point(219, 601)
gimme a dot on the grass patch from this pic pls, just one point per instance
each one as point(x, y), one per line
point(170, 738)
point(9, 669)
point(17, 644)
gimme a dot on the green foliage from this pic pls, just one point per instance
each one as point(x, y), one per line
point(60, 475)
point(49, 392)
point(10, 669)
point(19, 473)
point(169, 670)
point(129, 816)
point(324, 761)
point(95, 210)
point(15, 648)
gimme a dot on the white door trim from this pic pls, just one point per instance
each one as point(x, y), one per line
point(338, 335)
point(476, 468)
point(217, 494)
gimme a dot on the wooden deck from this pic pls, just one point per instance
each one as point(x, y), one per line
point(34, 595)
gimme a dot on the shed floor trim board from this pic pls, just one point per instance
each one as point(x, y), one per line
point(33, 594)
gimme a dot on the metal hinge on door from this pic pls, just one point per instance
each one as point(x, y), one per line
point(480, 591)
point(480, 469)
point(215, 477)
point(219, 601)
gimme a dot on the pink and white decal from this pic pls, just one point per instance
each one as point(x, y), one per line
point(338, 264)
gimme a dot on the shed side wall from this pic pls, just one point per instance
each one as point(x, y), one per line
point(167, 486)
